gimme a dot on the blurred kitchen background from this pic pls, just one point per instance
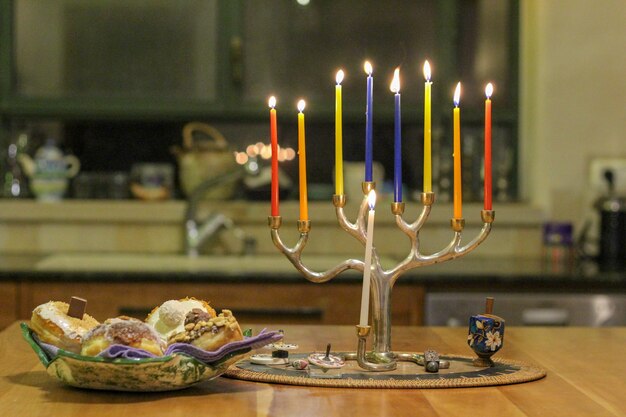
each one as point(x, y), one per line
point(114, 82)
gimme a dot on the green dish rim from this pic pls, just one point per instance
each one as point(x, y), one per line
point(27, 333)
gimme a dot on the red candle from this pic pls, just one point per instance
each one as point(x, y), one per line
point(274, 144)
point(488, 186)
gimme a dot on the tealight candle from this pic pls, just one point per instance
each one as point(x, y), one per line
point(367, 268)
point(274, 144)
point(304, 209)
point(456, 116)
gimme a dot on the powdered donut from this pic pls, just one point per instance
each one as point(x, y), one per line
point(52, 325)
point(125, 331)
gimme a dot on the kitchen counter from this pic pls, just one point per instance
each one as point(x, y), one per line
point(132, 226)
point(464, 273)
point(585, 374)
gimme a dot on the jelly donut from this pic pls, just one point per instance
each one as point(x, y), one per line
point(209, 333)
point(169, 318)
point(125, 331)
point(53, 325)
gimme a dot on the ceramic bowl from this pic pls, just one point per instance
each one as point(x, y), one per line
point(167, 373)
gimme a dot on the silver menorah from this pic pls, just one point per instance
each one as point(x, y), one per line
point(381, 357)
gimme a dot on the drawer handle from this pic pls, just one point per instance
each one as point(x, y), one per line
point(545, 317)
point(308, 312)
point(137, 312)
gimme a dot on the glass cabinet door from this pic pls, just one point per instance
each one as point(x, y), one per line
point(294, 50)
point(115, 49)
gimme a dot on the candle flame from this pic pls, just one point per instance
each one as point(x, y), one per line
point(301, 105)
point(489, 90)
point(457, 94)
point(371, 199)
point(367, 67)
point(395, 83)
point(339, 77)
point(272, 102)
point(427, 70)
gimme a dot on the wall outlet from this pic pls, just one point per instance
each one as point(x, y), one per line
point(598, 182)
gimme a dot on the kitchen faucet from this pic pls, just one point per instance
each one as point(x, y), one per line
point(197, 232)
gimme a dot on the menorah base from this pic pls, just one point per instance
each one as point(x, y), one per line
point(385, 361)
point(373, 361)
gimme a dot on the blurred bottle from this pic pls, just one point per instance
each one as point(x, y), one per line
point(14, 181)
point(612, 209)
point(558, 246)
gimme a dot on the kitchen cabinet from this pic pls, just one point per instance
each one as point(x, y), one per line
point(136, 59)
point(93, 65)
point(254, 302)
point(8, 303)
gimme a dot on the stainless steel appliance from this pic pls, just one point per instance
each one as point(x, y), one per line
point(528, 309)
point(612, 208)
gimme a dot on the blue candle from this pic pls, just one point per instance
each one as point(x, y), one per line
point(369, 109)
point(397, 166)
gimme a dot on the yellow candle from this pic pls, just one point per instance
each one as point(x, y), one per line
point(456, 113)
point(428, 184)
point(304, 209)
point(338, 136)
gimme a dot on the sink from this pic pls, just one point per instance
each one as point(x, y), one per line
point(125, 262)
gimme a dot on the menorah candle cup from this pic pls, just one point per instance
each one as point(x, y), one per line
point(486, 335)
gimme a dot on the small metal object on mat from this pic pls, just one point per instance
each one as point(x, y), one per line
point(431, 360)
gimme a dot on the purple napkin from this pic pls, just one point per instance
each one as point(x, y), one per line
point(265, 337)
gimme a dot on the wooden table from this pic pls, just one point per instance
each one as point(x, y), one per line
point(586, 377)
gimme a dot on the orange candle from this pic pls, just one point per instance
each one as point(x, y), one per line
point(274, 144)
point(304, 209)
point(456, 117)
point(488, 186)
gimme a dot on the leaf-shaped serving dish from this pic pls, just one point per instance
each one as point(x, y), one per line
point(166, 373)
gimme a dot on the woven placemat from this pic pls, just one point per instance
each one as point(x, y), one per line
point(408, 374)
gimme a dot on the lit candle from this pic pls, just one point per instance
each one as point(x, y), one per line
point(367, 268)
point(274, 144)
point(338, 136)
point(488, 93)
point(456, 113)
point(369, 113)
point(397, 167)
point(427, 130)
point(304, 209)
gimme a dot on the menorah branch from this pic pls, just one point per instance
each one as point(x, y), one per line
point(294, 254)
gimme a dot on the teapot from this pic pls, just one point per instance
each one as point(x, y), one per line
point(49, 171)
